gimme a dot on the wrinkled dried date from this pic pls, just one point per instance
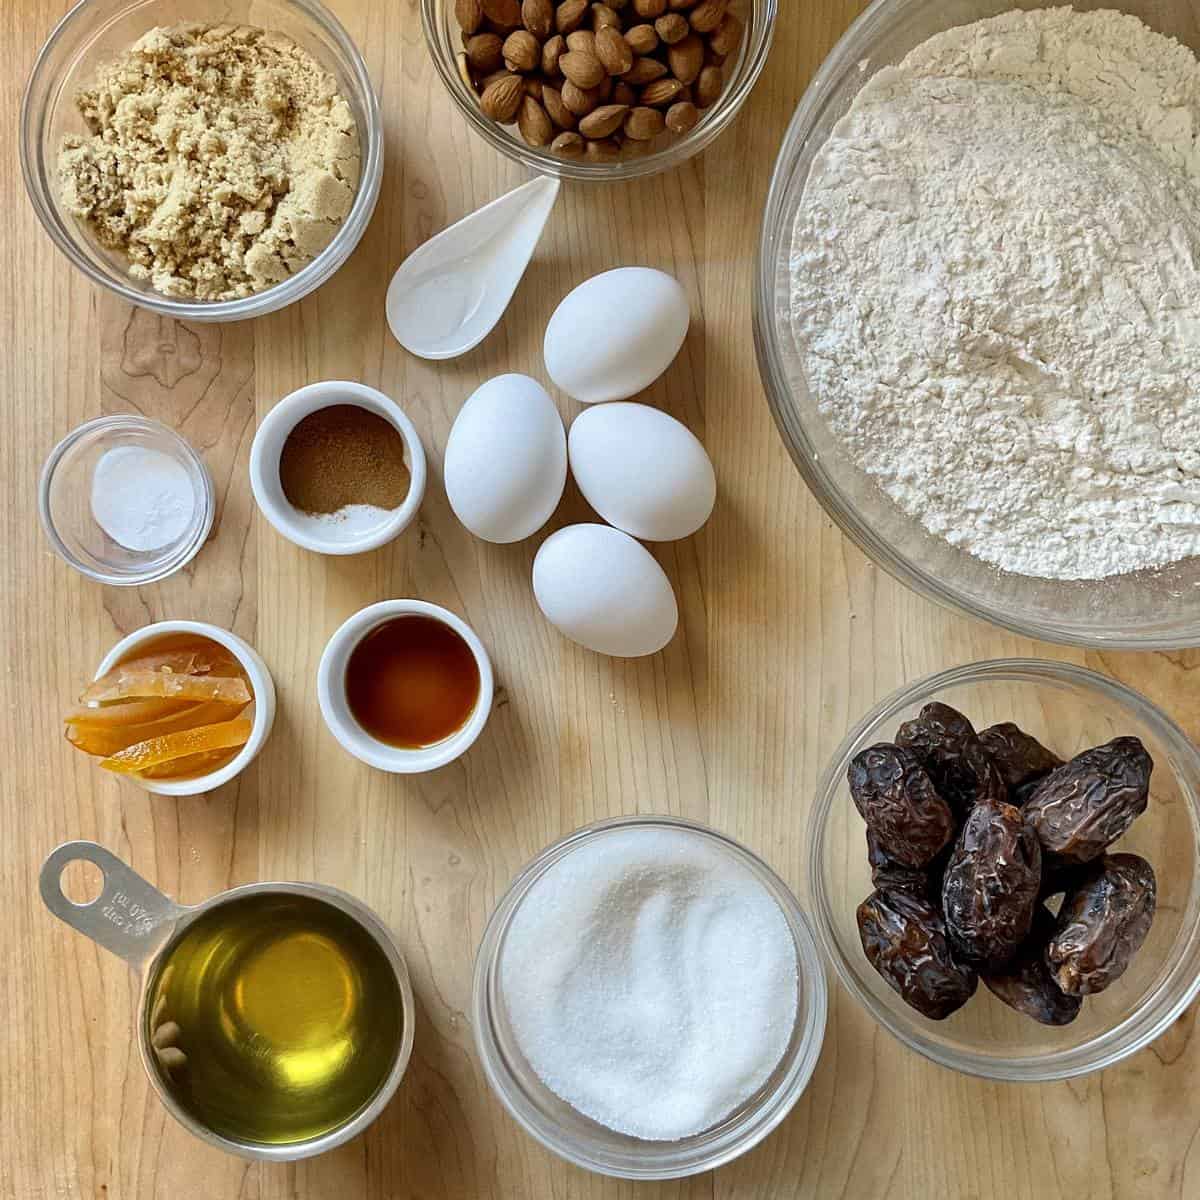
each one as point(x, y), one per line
point(1102, 925)
point(1020, 758)
point(904, 939)
point(1081, 808)
point(940, 737)
point(895, 796)
point(1026, 983)
point(888, 874)
point(991, 884)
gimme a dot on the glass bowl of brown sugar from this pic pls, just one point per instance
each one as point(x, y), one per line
point(338, 468)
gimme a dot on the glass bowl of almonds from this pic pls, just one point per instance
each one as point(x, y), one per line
point(599, 89)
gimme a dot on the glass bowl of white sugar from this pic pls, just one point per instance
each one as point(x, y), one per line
point(975, 309)
point(126, 501)
point(648, 999)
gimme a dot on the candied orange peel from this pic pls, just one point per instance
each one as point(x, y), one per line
point(156, 751)
point(106, 739)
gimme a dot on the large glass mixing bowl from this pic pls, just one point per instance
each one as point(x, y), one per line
point(1149, 609)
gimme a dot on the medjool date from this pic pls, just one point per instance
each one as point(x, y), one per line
point(1020, 758)
point(940, 737)
point(889, 875)
point(1026, 983)
point(895, 796)
point(991, 885)
point(1102, 925)
point(1081, 808)
point(904, 939)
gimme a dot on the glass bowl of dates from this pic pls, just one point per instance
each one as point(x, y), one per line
point(599, 91)
point(1004, 867)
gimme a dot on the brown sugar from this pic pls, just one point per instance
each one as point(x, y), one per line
point(343, 455)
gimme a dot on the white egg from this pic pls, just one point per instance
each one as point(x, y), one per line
point(600, 588)
point(506, 459)
point(616, 333)
point(642, 470)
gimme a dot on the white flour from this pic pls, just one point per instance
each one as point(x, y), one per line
point(996, 284)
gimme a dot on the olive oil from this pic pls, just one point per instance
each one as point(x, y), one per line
point(275, 1018)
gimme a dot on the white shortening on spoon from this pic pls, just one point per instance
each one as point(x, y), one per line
point(450, 292)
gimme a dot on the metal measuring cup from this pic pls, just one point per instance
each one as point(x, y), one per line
point(135, 921)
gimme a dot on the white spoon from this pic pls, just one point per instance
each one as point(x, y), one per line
point(449, 292)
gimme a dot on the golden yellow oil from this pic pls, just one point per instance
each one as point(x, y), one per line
point(275, 1018)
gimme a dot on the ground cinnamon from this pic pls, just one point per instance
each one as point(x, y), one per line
point(343, 455)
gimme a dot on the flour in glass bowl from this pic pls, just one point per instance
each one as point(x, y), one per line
point(996, 289)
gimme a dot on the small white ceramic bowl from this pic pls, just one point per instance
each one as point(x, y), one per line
point(314, 533)
point(331, 691)
point(263, 707)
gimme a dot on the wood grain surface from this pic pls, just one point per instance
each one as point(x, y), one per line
point(787, 635)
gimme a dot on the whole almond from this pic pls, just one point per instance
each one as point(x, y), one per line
point(504, 14)
point(660, 92)
point(680, 5)
point(552, 51)
point(578, 100)
point(686, 58)
point(569, 145)
point(643, 124)
point(727, 35)
point(485, 52)
point(487, 81)
point(603, 121)
point(558, 112)
point(533, 123)
point(709, 85)
point(468, 14)
point(534, 88)
point(584, 41)
point(645, 70)
point(522, 51)
point(538, 17)
point(642, 39)
point(582, 69)
point(604, 17)
point(672, 28)
point(706, 16)
point(682, 117)
point(604, 150)
point(624, 94)
point(649, 10)
point(569, 15)
point(614, 52)
point(501, 99)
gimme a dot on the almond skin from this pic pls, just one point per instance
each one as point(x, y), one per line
point(468, 14)
point(538, 17)
point(501, 99)
point(569, 15)
point(681, 5)
point(727, 35)
point(624, 94)
point(709, 85)
point(534, 124)
point(614, 52)
point(645, 70)
point(605, 150)
point(485, 52)
point(577, 100)
point(649, 10)
point(552, 51)
point(660, 92)
point(642, 39)
point(603, 121)
point(604, 17)
point(569, 145)
point(644, 124)
point(522, 51)
point(686, 58)
point(672, 28)
point(504, 14)
point(582, 69)
point(533, 87)
point(583, 41)
point(682, 117)
point(707, 15)
point(557, 111)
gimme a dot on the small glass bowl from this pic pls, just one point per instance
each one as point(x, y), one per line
point(1068, 709)
point(443, 37)
point(588, 1144)
point(65, 502)
point(96, 31)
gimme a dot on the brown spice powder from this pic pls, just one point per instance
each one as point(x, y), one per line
point(343, 455)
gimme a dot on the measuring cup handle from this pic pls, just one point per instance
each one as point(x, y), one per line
point(129, 917)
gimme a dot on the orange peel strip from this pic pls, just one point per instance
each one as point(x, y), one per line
point(126, 713)
point(158, 750)
point(142, 684)
point(104, 740)
point(189, 765)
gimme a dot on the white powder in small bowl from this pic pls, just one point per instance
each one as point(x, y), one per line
point(651, 981)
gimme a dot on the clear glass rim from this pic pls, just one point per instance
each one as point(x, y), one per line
point(771, 1109)
point(845, 56)
point(307, 279)
point(127, 422)
point(711, 126)
point(1124, 1039)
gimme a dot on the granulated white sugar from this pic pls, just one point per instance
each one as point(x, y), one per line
point(650, 979)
